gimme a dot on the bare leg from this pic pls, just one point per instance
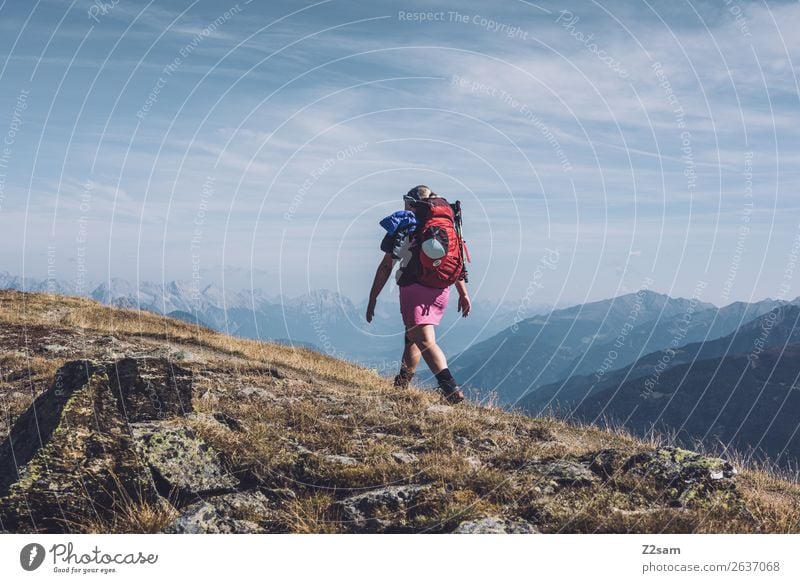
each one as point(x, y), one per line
point(424, 337)
point(411, 355)
point(408, 365)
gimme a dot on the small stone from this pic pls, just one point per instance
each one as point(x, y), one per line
point(343, 460)
point(495, 525)
point(242, 505)
point(229, 422)
point(605, 463)
point(439, 409)
point(485, 444)
point(562, 472)
point(474, 462)
point(257, 393)
point(53, 348)
point(405, 457)
point(203, 518)
point(379, 510)
point(282, 494)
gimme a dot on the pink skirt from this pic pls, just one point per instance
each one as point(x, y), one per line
point(420, 304)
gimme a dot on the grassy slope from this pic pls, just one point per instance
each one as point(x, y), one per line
point(321, 408)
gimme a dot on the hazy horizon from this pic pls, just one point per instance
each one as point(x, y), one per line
point(387, 297)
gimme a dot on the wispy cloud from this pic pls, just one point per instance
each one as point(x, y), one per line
point(308, 121)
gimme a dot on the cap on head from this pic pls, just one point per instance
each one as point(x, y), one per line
point(418, 193)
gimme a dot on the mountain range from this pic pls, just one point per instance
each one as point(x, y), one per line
point(594, 339)
point(544, 348)
point(322, 319)
point(738, 391)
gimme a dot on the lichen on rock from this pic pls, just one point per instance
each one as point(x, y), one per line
point(72, 456)
point(685, 477)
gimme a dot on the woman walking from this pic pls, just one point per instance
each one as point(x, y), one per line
point(424, 240)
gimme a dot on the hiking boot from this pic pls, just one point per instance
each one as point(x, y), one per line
point(453, 396)
point(403, 379)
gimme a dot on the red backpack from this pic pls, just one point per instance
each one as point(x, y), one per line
point(439, 249)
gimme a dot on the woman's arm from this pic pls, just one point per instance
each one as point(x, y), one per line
point(464, 303)
point(381, 277)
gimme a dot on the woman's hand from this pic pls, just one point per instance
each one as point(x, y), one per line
point(464, 305)
point(371, 309)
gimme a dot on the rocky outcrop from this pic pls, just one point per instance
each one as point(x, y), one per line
point(183, 466)
point(99, 436)
point(562, 472)
point(604, 463)
point(684, 476)
point(151, 389)
point(388, 509)
point(237, 513)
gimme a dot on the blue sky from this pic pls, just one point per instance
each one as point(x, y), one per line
point(639, 141)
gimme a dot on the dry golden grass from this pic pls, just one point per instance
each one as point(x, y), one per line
point(132, 515)
point(299, 432)
point(134, 518)
point(309, 515)
point(90, 317)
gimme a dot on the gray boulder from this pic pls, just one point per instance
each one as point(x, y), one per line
point(181, 462)
point(70, 454)
point(204, 518)
point(605, 463)
point(562, 472)
point(389, 508)
point(495, 525)
point(684, 476)
point(237, 512)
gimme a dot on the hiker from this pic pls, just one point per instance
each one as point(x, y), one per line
point(425, 239)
